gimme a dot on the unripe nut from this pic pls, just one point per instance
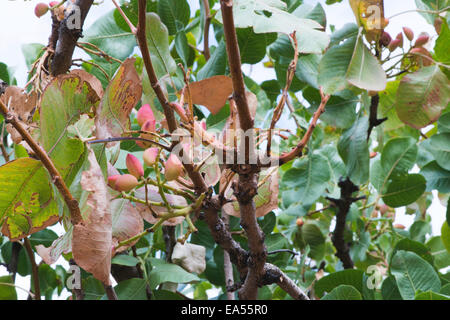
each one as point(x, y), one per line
point(385, 39)
point(394, 44)
point(125, 183)
point(144, 114)
point(408, 33)
point(422, 40)
point(41, 9)
point(112, 180)
point(300, 222)
point(134, 166)
point(399, 226)
point(173, 168)
point(150, 156)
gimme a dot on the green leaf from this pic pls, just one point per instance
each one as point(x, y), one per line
point(168, 272)
point(158, 45)
point(430, 295)
point(309, 177)
point(131, 289)
point(268, 222)
point(334, 65)
point(109, 37)
point(343, 292)
point(440, 254)
point(64, 100)
point(416, 247)
point(354, 151)
point(266, 16)
point(44, 237)
point(437, 177)
point(174, 14)
point(442, 47)
point(216, 64)
point(31, 52)
point(351, 277)
point(125, 260)
point(389, 289)
point(440, 148)
point(412, 273)
point(445, 235)
point(182, 46)
point(7, 289)
point(403, 190)
point(364, 70)
point(398, 156)
point(315, 239)
point(422, 96)
point(339, 112)
point(444, 123)
point(26, 200)
point(252, 46)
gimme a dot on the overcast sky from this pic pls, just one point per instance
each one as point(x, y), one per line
point(19, 25)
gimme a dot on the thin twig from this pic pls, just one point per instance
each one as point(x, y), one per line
point(206, 29)
point(297, 151)
point(34, 269)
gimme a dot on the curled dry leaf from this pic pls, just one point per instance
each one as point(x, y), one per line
point(191, 257)
point(212, 93)
point(126, 223)
point(22, 106)
point(92, 238)
point(265, 201)
point(121, 96)
point(61, 245)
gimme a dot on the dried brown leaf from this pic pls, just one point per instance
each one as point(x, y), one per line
point(92, 238)
point(212, 93)
point(126, 222)
point(22, 106)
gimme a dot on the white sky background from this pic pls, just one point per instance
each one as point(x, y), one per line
point(19, 25)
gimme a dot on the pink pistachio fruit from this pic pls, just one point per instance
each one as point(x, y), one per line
point(394, 44)
point(422, 40)
point(385, 39)
point(144, 114)
point(112, 180)
point(408, 33)
point(126, 183)
point(134, 166)
point(150, 156)
point(173, 168)
point(41, 9)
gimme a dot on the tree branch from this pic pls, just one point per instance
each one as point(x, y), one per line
point(297, 151)
point(206, 29)
point(68, 36)
point(197, 179)
point(343, 205)
point(227, 266)
point(373, 117)
point(71, 203)
point(34, 269)
point(234, 60)
point(272, 274)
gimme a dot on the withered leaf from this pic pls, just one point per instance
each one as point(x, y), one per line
point(212, 93)
point(92, 238)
